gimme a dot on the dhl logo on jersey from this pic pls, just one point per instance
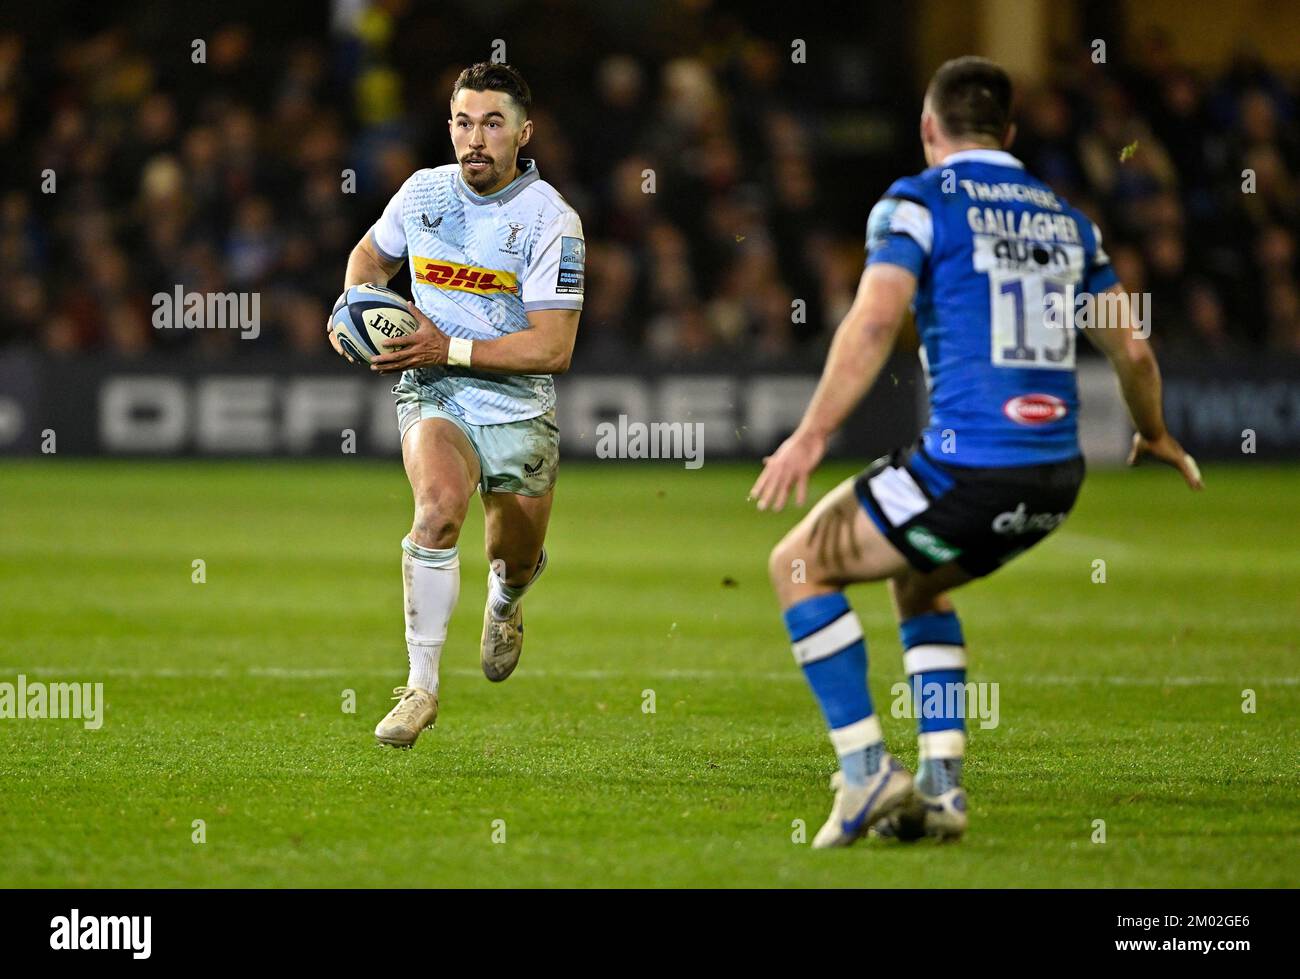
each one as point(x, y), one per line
point(466, 278)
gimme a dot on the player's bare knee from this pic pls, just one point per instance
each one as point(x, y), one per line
point(437, 522)
point(778, 566)
point(789, 568)
point(434, 532)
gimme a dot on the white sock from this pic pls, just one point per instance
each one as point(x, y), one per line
point(430, 587)
point(503, 598)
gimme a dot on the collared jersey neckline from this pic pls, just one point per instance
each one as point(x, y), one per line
point(1000, 158)
point(528, 174)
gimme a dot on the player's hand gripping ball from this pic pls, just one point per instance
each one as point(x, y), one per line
point(366, 316)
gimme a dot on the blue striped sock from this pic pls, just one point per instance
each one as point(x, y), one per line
point(829, 648)
point(935, 659)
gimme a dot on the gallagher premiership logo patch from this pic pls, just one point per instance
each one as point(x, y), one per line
point(573, 260)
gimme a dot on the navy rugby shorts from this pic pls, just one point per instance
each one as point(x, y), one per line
point(979, 518)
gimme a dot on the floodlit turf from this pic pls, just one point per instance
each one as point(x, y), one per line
point(1119, 701)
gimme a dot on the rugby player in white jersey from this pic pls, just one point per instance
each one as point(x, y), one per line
point(496, 258)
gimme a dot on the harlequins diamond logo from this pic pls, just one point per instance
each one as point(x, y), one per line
point(511, 241)
point(935, 548)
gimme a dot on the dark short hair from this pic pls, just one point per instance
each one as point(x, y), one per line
point(488, 77)
point(971, 96)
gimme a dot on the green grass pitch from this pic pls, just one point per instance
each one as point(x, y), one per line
point(1119, 701)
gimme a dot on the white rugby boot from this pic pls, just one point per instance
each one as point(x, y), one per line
point(502, 642)
point(416, 711)
point(942, 817)
point(857, 809)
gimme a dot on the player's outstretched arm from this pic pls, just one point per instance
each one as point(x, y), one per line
point(858, 352)
point(546, 347)
point(1139, 381)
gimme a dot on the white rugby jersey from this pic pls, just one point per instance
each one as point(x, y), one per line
point(479, 265)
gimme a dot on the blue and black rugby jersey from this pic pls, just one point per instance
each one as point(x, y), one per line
point(990, 245)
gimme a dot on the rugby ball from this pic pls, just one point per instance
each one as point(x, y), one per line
point(366, 316)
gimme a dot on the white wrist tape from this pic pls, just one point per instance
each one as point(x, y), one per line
point(459, 351)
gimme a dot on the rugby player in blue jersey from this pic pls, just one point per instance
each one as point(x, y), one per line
point(999, 270)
